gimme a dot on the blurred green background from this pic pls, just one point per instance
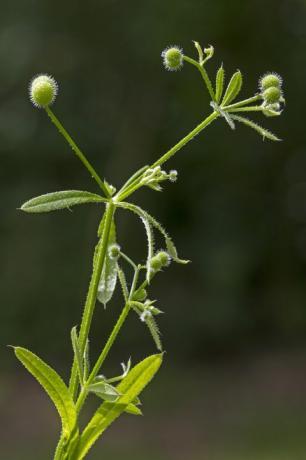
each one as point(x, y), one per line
point(234, 381)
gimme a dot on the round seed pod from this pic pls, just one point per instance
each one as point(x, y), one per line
point(155, 263)
point(43, 91)
point(173, 58)
point(164, 258)
point(272, 95)
point(269, 80)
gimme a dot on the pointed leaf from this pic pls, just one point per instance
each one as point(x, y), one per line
point(219, 84)
point(60, 200)
point(130, 388)
point(173, 252)
point(104, 390)
point(200, 51)
point(145, 215)
point(233, 88)
point(123, 283)
point(86, 360)
point(133, 410)
point(155, 332)
point(77, 354)
point(264, 132)
point(150, 239)
point(109, 273)
point(54, 387)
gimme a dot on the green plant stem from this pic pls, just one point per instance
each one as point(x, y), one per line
point(204, 75)
point(254, 108)
point(92, 292)
point(170, 153)
point(77, 151)
point(250, 100)
point(103, 355)
point(109, 343)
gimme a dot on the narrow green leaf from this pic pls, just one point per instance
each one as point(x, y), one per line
point(168, 241)
point(173, 252)
point(60, 200)
point(264, 132)
point(233, 88)
point(86, 360)
point(104, 390)
point(77, 354)
point(150, 240)
point(109, 273)
point(219, 84)
point(54, 387)
point(133, 410)
point(110, 188)
point(200, 51)
point(123, 283)
point(154, 330)
point(130, 387)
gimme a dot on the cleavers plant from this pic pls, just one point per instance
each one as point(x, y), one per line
point(120, 394)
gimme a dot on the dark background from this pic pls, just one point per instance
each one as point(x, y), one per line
point(233, 385)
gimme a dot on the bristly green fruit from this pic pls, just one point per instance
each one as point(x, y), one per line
point(173, 58)
point(43, 91)
point(269, 80)
point(164, 258)
point(272, 95)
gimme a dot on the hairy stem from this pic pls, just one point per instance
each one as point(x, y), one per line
point(77, 151)
point(92, 292)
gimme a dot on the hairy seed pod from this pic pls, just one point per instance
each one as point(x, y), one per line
point(164, 258)
point(43, 90)
point(173, 58)
point(272, 95)
point(155, 263)
point(269, 80)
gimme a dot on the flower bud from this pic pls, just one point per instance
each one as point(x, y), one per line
point(173, 58)
point(272, 95)
point(43, 91)
point(173, 175)
point(269, 80)
point(114, 251)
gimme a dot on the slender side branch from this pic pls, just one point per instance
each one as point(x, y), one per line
point(77, 151)
point(122, 196)
point(250, 100)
